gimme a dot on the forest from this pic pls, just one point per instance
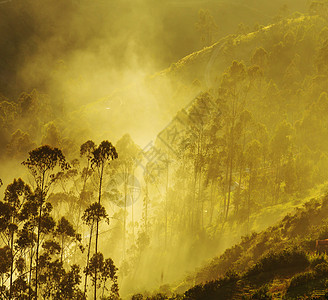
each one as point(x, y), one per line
point(163, 151)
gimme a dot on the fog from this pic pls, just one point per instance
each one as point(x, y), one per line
point(125, 71)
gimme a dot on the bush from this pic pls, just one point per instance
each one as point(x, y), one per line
point(274, 261)
point(301, 280)
point(262, 293)
point(223, 289)
point(316, 260)
point(321, 269)
point(158, 296)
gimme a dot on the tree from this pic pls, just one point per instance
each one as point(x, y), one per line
point(206, 26)
point(253, 156)
point(42, 164)
point(125, 166)
point(104, 270)
point(11, 217)
point(101, 157)
point(280, 147)
point(93, 214)
point(66, 234)
point(58, 283)
point(86, 150)
point(20, 143)
point(234, 88)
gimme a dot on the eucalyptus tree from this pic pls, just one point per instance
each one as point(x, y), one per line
point(253, 159)
point(280, 147)
point(43, 163)
point(234, 88)
point(125, 166)
point(67, 234)
point(86, 151)
point(105, 270)
point(94, 213)
point(196, 146)
point(12, 219)
point(101, 157)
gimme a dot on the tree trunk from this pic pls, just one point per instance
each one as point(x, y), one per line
point(166, 195)
point(30, 273)
point(11, 264)
point(88, 257)
point(229, 188)
point(97, 226)
point(38, 238)
point(124, 219)
point(132, 209)
point(249, 197)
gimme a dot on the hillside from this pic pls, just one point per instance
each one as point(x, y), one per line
point(258, 154)
point(280, 262)
point(171, 170)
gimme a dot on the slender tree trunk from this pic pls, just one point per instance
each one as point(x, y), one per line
point(241, 172)
point(249, 197)
point(97, 226)
point(11, 264)
point(132, 210)
point(30, 272)
point(211, 203)
point(146, 209)
point(226, 188)
point(276, 187)
point(80, 206)
point(166, 195)
point(38, 238)
point(200, 197)
point(193, 201)
point(124, 219)
point(231, 153)
point(229, 188)
point(88, 257)
point(62, 249)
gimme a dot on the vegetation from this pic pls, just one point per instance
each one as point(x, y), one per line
point(240, 171)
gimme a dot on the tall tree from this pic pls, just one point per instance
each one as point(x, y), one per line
point(206, 26)
point(101, 157)
point(43, 162)
point(93, 213)
point(11, 218)
point(125, 166)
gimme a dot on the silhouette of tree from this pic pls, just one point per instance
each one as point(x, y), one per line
point(42, 163)
point(104, 270)
point(206, 26)
point(93, 214)
point(66, 234)
point(11, 218)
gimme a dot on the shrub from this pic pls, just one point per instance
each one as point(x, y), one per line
point(301, 280)
point(158, 296)
point(273, 261)
point(317, 259)
point(223, 289)
point(262, 293)
point(321, 269)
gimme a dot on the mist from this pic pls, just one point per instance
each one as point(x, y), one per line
point(217, 90)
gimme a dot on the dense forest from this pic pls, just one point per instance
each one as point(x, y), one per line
point(206, 180)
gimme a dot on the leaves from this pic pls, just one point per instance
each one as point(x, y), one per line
point(94, 212)
point(104, 152)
